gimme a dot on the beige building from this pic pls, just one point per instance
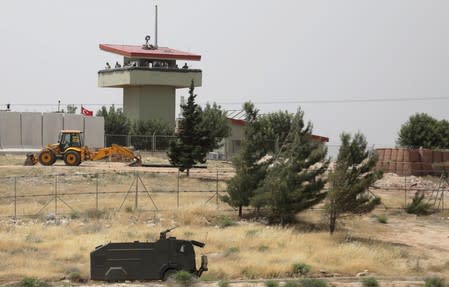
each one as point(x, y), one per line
point(149, 77)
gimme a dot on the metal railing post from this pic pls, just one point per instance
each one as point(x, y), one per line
point(177, 192)
point(137, 192)
point(56, 195)
point(15, 198)
point(405, 191)
point(216, 190)
point(96, 194)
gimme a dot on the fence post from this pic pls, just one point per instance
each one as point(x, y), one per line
point(177, 192)
point(56, 195)
point(137, 192)
point(216, 190)
point(96, 194)
point(128, 140)
point(405, 191)
point(15, 198)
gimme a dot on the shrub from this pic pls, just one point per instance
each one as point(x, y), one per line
point(225, 221)
point(313, 283)
point(231, 251)
point(301, 269)
point(184, 278)
point(95, 213)
point(262, 248)
point(32, 282)
point(418, 206)
point(382, 219)
point(223, 283)
point(129, 209)
point(291, 284)
point(74, 214)
point(271, 283)
point(434, 282)
point(76, 277)
point(370, 282)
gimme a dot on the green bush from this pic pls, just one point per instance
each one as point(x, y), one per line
point(418, 205)
point(129, 209)
point(231, 251)
point(301, 269)
point(382, 219)
point(271, 283)
point(76, 277)
point(184, 278)
point(313, 283)
point(291, 284)
point(435, 282)
point(74, 215)
point(223, 283)
point(225, 221)
point(32, 282)
point(370, 282)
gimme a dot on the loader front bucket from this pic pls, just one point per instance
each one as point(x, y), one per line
point(137, 161)
point(30, 160)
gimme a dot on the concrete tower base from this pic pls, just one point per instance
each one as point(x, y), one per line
point(150, 102)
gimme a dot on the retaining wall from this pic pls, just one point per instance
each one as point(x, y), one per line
point(412, 161)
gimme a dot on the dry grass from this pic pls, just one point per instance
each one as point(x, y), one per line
point(50, 250)
point(247, 250)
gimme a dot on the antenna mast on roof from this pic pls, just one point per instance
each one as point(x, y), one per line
point(155, 27)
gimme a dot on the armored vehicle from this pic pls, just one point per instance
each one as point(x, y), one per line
point(145, 260)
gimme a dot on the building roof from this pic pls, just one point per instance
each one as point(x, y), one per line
point(134, 51)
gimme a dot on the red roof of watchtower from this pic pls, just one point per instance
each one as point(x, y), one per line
point(133, 51)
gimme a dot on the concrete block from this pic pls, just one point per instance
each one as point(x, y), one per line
point(73, 122)
point(31, 130)
point(387, 155)
point(394, 154)
point(413, 155)
point(10, 134)
point(437, 156)
point(446, 156)
point(380, 154)
point(400, 157)
point(426, 155)
point(94, 132)
point(52, 124)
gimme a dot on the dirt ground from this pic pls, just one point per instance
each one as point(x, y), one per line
point(427, 237)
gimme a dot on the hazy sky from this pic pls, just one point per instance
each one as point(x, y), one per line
point(263, 51)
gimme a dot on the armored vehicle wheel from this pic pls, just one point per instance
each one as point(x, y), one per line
point(169, 274)
point(72, 158)
point(47, 157)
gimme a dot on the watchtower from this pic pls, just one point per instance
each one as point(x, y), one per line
point(149, 76)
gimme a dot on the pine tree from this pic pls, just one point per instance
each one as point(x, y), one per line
point(249, 172)
point(348, 184)
point(295, 181)
point(187, 149)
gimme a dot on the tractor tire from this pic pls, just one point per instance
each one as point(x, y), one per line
point(47, 157)
point(72, 158)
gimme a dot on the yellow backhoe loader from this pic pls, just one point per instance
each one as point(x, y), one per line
point(71, 149)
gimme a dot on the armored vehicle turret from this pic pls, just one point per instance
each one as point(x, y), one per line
point(145, 260)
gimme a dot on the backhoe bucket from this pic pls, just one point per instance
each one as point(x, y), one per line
point(137, 161)
point(30, 160)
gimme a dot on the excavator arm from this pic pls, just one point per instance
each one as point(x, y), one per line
point(114, 150)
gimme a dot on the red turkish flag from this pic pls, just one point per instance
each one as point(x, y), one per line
point(86, 112)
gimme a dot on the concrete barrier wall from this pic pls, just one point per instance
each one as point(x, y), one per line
point(94, 132)
point(10, 134)
point(31, 130)
point(52, 124)
point(35, 130)
point(73, 122)
point(412, 161)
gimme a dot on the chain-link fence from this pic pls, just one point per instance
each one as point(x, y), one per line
point(64, 194)
point(152, 143)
